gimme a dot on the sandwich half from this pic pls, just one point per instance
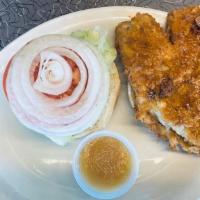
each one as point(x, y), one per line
point(63, 87)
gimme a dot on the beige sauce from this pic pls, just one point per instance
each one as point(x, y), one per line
point(105, 162)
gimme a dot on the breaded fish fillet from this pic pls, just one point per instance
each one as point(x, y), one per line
point(163, 70)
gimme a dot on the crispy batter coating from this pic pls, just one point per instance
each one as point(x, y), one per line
point(163, 69)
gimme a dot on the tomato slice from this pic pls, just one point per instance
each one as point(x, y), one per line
point(75, 80)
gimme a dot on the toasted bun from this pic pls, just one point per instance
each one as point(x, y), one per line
point(113, 95)
point(96, 105)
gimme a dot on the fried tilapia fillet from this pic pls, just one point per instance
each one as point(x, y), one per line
point(163, 69)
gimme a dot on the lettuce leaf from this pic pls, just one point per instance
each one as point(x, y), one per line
point(98, 38)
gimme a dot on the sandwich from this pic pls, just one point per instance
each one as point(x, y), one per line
point(63, 87)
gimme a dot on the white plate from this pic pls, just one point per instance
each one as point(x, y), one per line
point(37, 169)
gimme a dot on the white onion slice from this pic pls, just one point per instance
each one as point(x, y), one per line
point(64, 99)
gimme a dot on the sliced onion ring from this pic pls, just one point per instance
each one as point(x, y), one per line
point(57, 85)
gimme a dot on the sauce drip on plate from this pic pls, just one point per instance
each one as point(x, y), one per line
point(105, 162)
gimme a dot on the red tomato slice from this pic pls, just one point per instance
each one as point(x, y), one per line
point(75, 81)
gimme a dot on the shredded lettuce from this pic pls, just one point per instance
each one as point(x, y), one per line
point(98, 38)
